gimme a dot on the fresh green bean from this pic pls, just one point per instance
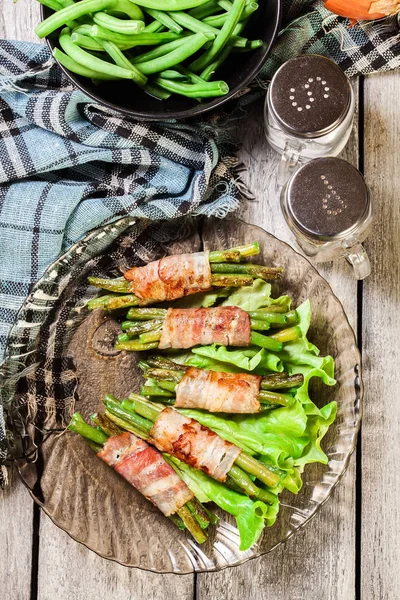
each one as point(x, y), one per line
point(120, 59)
point(153, 27)
point(287, 335)
point(127, 424)
point(292, 317)
point(217, 88)
point(243, 481)
point(124, 337)
point(254, 44)
point(258, 469)
point(113, 302)
point(274, 308)
point(209, 8)
point(163, 18)
point(84, 41)
point(70, 64)
point(260, 271)
point(140, 326)
point(189, 47)
point(174, 75)
point(143, 314)
point(265, 341)
point(70, 13)
point(65, 3)
point(97, 64)
point(126, 27)
point(191, 76)
point(177, 521)
point(270, 317)
point(234, 255)
point(228, 279)
point(119, 284)
point(259, 325)
point(135, 346)
point(150, 336)
point(106, 424)
point(222, 38)
point(78, 425)
point(120, 410)
point(219, 20)
point(193, 24)
point(139, 39)
point(170, 386)
point(168, 5)
point(153, 390)
point(192, 525)
point(52, 4)
point(198, 512)
point(158, 51)
point(144, 407)
point(128, 8)
point(138, 425)
point(162, 362)
point(279, 381)
point(265, 396)
point(164, 374)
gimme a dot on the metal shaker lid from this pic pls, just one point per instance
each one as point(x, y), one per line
point(327, 198)
point(309, 96)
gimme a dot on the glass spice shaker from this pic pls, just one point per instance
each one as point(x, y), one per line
point(308, 111)
point(328, 207)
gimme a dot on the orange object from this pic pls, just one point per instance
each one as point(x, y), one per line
point(361, 9)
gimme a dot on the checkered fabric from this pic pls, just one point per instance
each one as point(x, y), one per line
point(67, 166)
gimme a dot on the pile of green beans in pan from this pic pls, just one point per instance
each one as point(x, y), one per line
point(164, 46)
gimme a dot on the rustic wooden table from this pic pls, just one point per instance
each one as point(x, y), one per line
point(351, 549)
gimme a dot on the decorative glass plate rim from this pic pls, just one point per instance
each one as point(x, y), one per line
point(132, 221)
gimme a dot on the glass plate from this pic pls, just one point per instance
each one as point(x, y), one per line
point(57, 349)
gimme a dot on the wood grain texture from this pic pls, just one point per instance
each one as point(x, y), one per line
point(69, 570)
point(380, 550)
point(18, 19)
point(16, 519)
point(319, 562)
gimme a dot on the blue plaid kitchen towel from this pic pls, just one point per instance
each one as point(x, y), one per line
point(67, 166)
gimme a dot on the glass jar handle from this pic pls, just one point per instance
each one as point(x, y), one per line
point(358, 258)
point(289, 161)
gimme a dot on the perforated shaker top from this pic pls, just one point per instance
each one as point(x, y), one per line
point(310, 95)
point(327, 197)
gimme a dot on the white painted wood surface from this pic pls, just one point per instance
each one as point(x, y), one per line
point(320, 562)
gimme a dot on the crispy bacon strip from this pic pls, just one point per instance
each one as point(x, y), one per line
point(187, 327)
point(171, 277)
point(147, 471)
point(193, 444)
point(219, 392)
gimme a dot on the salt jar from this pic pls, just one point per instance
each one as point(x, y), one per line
point(328, 207)
point(308, 112)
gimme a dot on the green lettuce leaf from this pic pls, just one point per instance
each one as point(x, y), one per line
point(254, 297)
point(230, 360)
point(250, 515)
point(202, 299)
point(300, 354)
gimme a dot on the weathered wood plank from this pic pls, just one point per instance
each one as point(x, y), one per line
point(380, 550)
point(19, 19)
point(16, 520)
point(320, 561)
point(68, 569)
